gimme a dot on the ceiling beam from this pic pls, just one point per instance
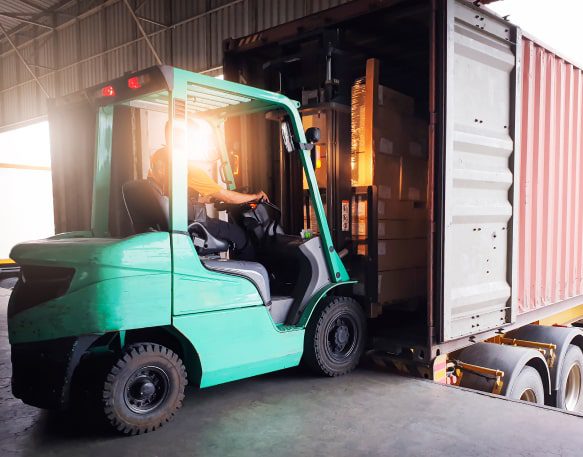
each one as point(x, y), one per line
point(55, 10)
point(13, 14)
point(32, 5)
point(23, 60)
point(159, 24)
point(143, 32)
point(42, 13)
point(18, 17)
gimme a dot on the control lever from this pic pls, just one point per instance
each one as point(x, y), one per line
point(343, 253)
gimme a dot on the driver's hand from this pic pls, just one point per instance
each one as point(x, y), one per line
point(261, 196)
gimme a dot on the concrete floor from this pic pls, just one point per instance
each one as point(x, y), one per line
point(367, 413)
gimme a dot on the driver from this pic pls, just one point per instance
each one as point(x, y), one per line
point(206, 187)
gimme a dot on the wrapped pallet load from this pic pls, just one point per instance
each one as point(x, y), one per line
point(389, 151)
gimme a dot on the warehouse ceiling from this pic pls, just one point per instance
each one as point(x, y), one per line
point(50, 48)
point(26, 19)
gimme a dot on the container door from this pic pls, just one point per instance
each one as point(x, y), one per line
point(481, 84)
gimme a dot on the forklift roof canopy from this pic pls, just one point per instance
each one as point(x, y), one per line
point(203, 95)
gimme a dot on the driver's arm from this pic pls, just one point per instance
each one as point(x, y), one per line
point(231, 196)
point(203, 184)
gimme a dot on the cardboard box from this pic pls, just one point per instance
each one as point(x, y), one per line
point(402, 229)
point(396, 101)
point(417, 138)
point(401, 254)
point(362, 249)
point(401, 210)
point(381, 124)
point(399, 285)
point(359, 227)
point(391, 229)
point(313, 221)
point(388, 132)
point(413, 179)
point(359, 207)
point(387, 176)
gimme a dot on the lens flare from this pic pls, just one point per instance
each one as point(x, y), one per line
point(201, 141)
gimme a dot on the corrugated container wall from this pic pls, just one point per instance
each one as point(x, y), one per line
point(103, 43)
point(551, 173)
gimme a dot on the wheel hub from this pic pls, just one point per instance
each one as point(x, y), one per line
point(146, 389)
point(528, 395)
point(573, 388)
point(342, 337)
point(143, 389)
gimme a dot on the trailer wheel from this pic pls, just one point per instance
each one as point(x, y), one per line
point(528, 386)
point(335, 337)
point(570, 392)
point(144, 389)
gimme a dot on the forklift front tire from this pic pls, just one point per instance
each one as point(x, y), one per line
point(144, 389)
point(335, 337)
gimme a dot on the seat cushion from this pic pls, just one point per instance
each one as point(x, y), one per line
point(253, 271)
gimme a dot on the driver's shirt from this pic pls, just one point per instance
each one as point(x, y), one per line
point(198, 179)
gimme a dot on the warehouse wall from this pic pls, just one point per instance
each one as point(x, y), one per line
point(93, 44)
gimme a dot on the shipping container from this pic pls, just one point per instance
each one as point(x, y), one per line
point(496, 145)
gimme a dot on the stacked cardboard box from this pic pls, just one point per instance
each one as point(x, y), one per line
point(313, 223)
point(389, 147)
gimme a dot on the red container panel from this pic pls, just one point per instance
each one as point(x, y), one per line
point(550, 259)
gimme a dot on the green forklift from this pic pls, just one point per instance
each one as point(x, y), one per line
point(126, 321)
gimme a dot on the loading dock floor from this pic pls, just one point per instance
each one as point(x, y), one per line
point(293, 414)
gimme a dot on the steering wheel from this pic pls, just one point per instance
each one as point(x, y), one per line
point(269, 205)
point(223, 206)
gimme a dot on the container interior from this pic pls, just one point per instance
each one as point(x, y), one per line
point(365, 82)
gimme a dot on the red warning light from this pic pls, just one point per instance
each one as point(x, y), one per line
point(134, 83)
point(108, 91)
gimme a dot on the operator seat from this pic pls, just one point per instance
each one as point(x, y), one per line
point(207, 244)
point(147, 206)
point(253, 271)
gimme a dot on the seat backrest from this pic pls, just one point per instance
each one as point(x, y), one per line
point(147, 207)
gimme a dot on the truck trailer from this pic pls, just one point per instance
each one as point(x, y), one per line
point(424, 207)
point(465, 230)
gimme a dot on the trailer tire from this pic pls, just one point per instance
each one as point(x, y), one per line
point(335, 337)
point(528, 386)
point(570, 392)
point(143, 389)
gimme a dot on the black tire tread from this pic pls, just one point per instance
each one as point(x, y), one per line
point(135, 351)
point(313, 358)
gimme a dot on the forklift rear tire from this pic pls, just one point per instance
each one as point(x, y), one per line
point(335, 337)
point(144, 389)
